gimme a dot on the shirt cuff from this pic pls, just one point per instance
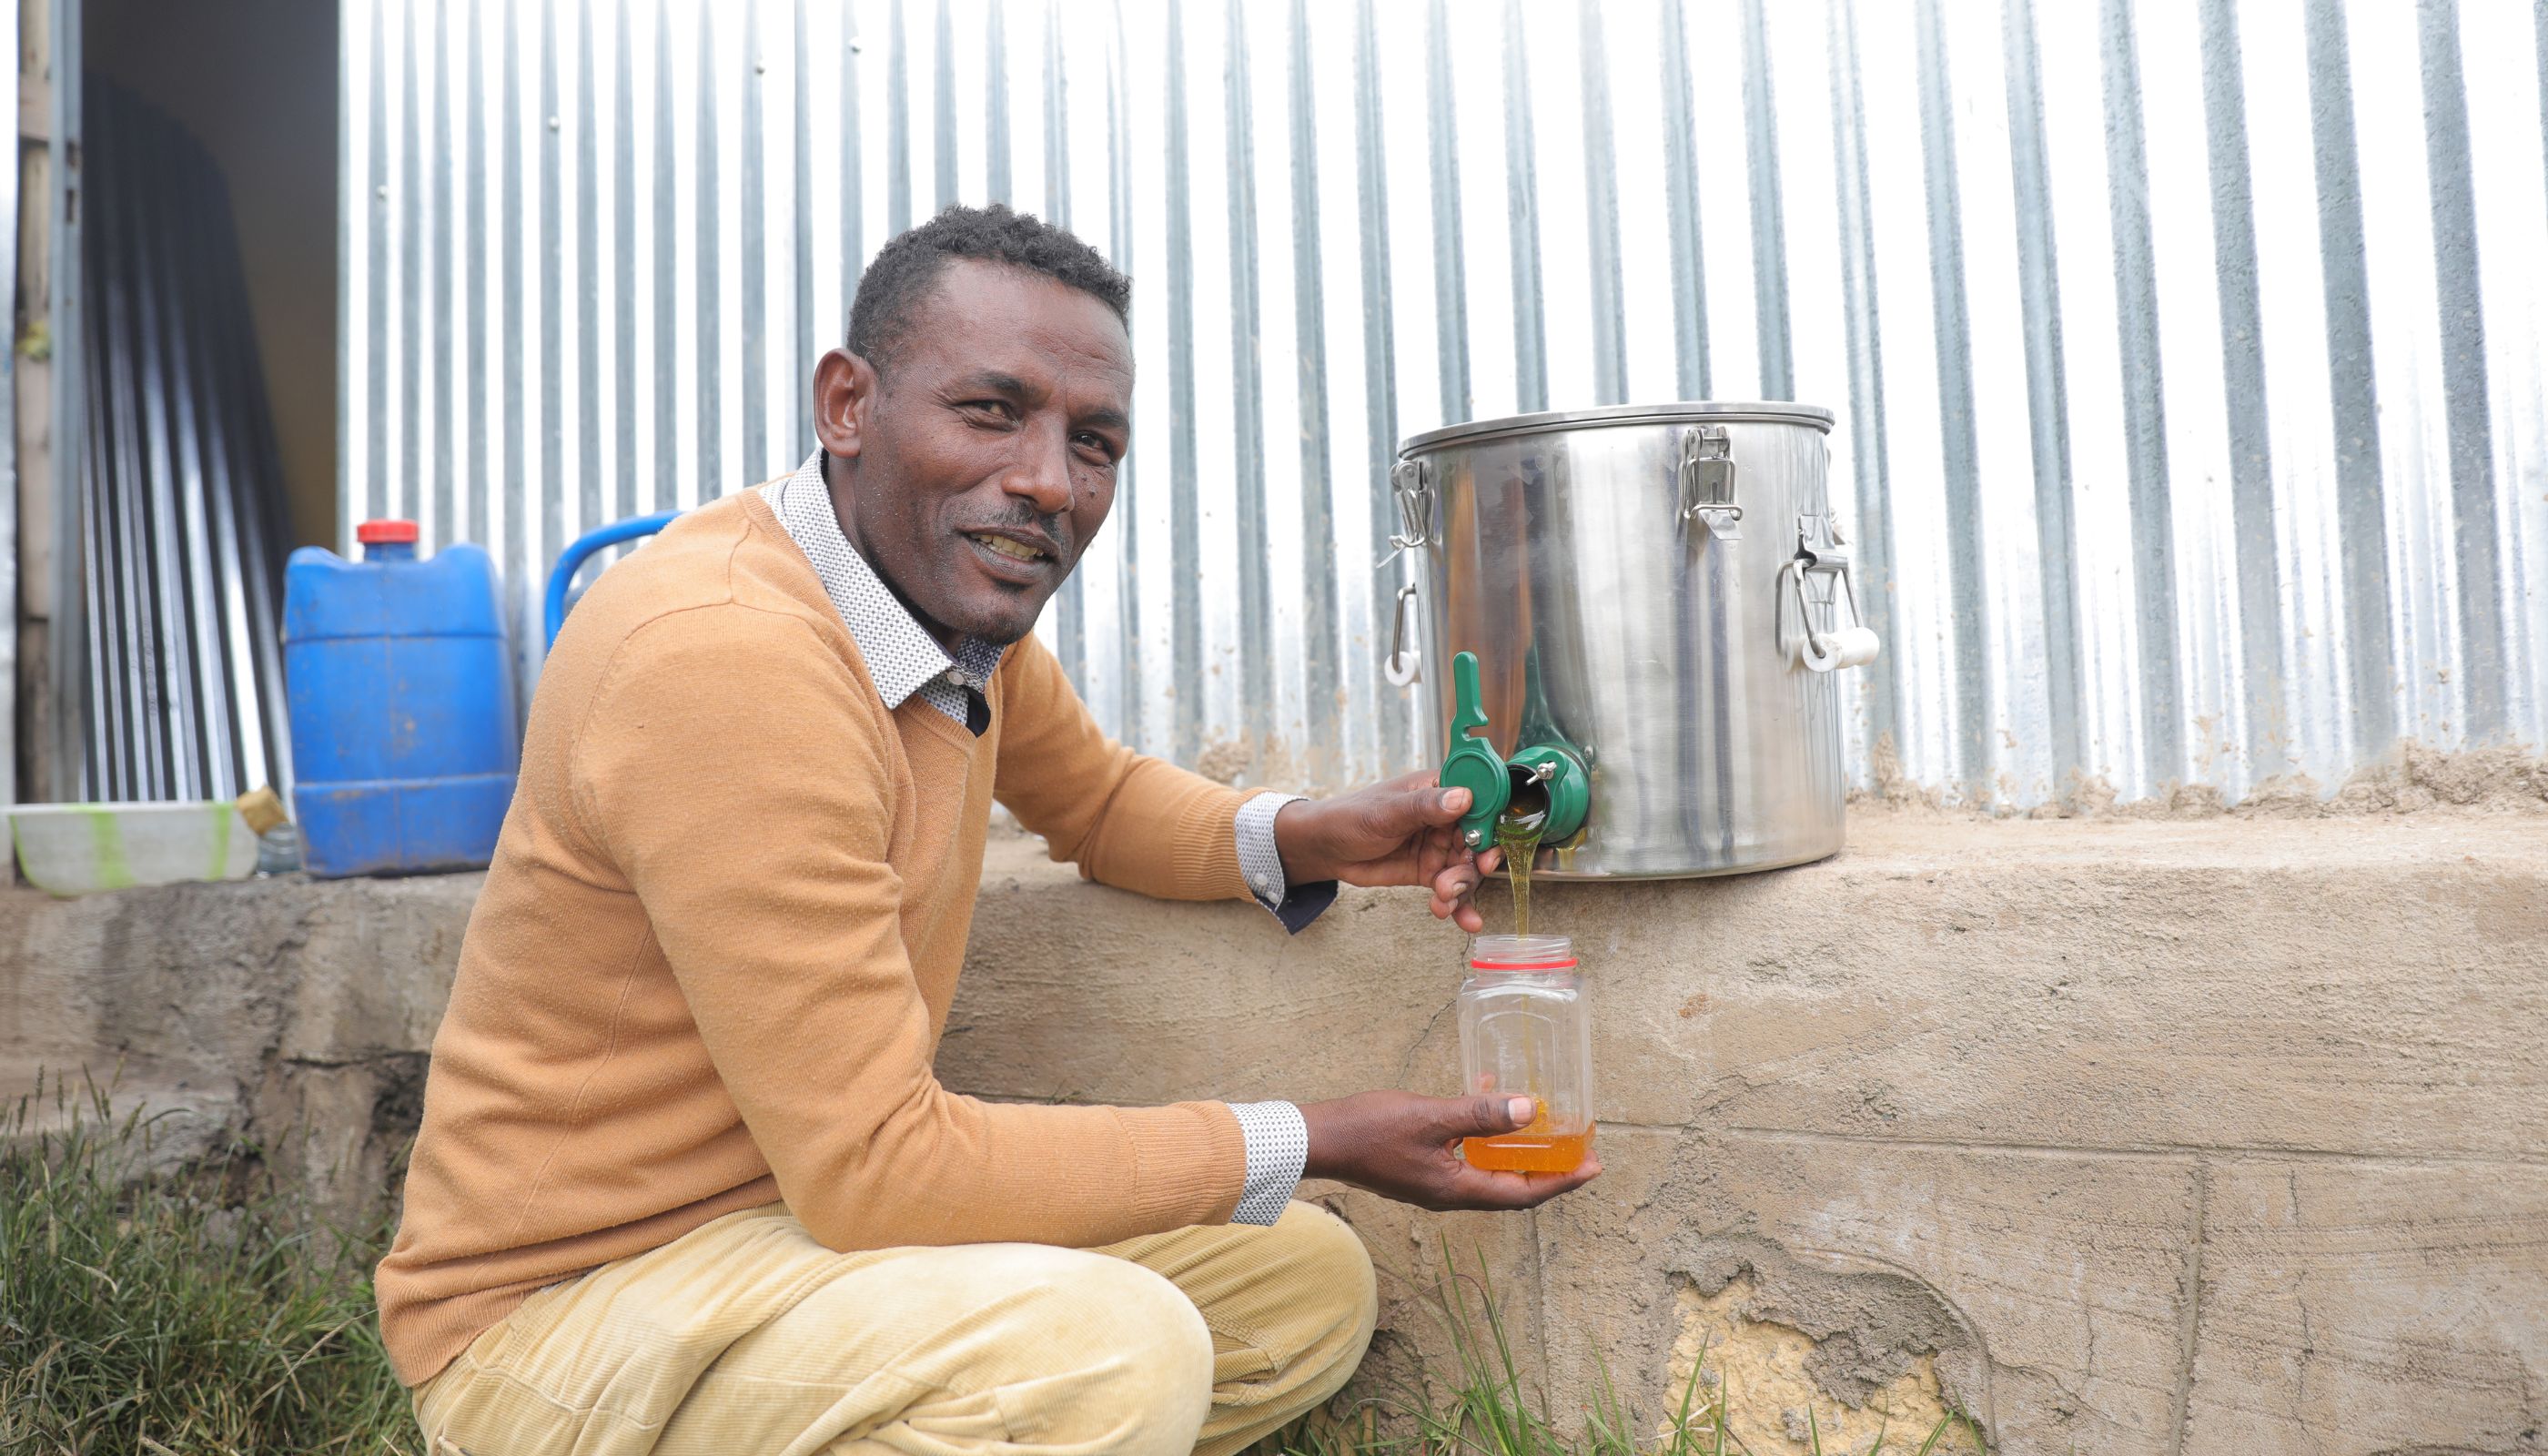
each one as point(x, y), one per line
point(1260, 864)
point(1278, 1147)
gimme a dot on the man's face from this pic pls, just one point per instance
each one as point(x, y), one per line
point(973, 472)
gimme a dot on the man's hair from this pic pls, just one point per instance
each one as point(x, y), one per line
point(906, 269)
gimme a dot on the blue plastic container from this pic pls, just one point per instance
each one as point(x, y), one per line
point(403, 733)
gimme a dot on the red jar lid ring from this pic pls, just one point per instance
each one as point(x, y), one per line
point(1565, 965)
point(386, 533)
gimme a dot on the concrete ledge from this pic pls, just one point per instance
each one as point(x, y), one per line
point(293, 1016)
point(2214, 1135)
point(2209, 1135)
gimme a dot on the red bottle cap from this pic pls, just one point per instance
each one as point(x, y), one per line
point(386, 532)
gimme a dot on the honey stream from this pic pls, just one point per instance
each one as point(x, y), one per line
point(1517, 836)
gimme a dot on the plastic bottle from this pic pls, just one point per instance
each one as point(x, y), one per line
point(278, 850)
point(278, 843)
point(1525, 1028)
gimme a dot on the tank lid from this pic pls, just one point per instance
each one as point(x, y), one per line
point(1723, 412)
point(386, 533)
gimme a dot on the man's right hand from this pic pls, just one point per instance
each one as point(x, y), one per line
point(1406, 1146)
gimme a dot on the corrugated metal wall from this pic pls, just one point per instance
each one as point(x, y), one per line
point(2188, 353)
point(180, 520)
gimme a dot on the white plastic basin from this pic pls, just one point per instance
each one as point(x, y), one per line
point(74, 848)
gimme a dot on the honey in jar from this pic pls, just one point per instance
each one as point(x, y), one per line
point(1524, 1029)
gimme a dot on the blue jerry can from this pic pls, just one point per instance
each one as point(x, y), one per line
point(403, 733)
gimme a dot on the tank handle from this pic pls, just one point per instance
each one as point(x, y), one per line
point(1404, 662)
point(1822, 556)
point(553, 608)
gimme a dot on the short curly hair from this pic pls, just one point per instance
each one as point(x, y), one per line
point(906, 268)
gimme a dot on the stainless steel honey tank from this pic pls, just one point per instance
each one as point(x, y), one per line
point(1656, 596)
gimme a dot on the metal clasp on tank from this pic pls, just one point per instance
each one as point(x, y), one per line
point(1413, 484)
point(1817, 579)
point(1707, 482)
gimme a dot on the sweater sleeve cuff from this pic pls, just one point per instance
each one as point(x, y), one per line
point(1204, 845)
point(1190, 1162)
point(1278, 1147)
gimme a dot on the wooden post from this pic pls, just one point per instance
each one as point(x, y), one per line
point(43, 639)
point(29, 725)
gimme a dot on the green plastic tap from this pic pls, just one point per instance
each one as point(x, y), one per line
point(1553, 766)
point(1551, 759)
point(1560, 775)
point(1473, 763)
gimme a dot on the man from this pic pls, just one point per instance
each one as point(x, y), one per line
point(686, 1181)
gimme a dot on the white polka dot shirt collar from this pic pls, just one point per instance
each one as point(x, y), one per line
point(902, 658)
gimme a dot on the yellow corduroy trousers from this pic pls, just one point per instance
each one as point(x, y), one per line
point(745, 1335)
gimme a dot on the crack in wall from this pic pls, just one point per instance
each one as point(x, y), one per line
point(2188, 1326)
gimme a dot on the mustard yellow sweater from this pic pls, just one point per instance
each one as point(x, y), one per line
point(716, 950)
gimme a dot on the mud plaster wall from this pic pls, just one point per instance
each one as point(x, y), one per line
point(2214, 1134)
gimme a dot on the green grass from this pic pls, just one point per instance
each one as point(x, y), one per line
point(191, 1314)
point(201, 1313)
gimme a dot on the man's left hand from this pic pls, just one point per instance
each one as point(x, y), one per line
point(1401, 832)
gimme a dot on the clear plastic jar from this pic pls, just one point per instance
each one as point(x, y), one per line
point(1525, 1028)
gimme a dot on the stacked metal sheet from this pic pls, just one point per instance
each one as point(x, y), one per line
point(182, 518)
